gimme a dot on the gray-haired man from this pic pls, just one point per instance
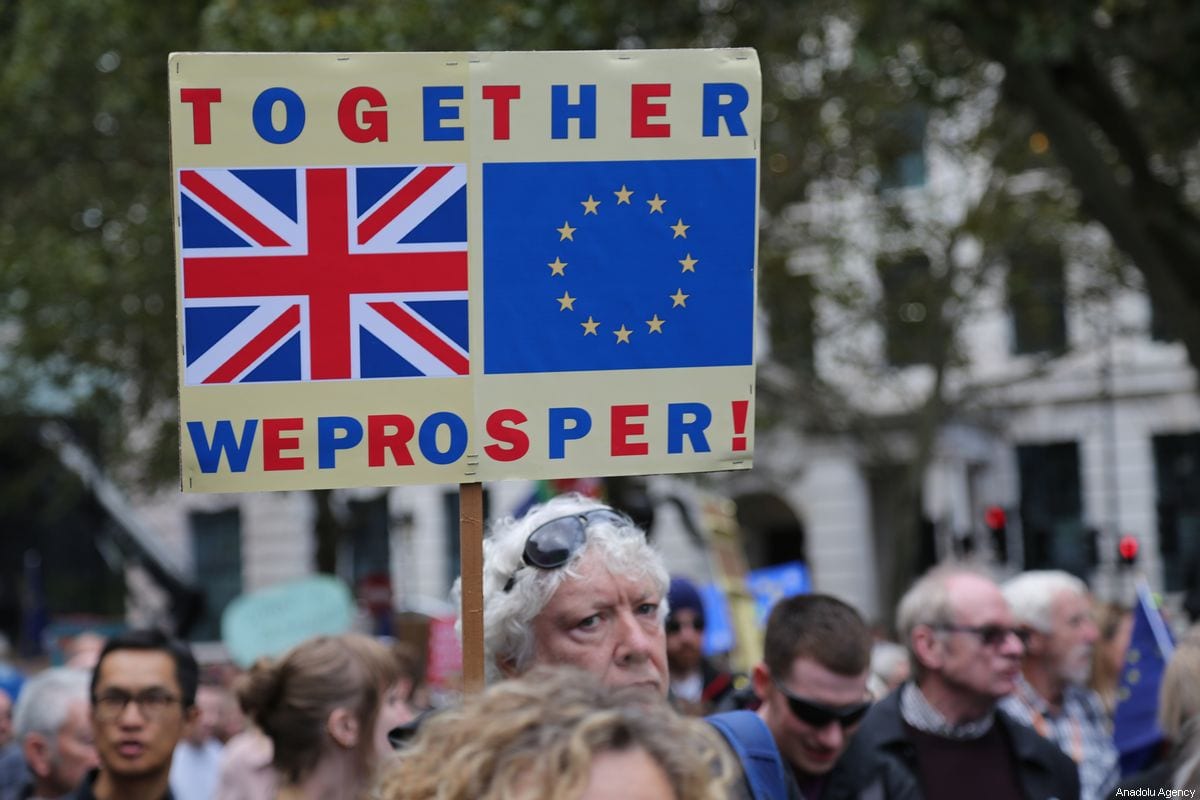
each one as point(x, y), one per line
point(55, 734)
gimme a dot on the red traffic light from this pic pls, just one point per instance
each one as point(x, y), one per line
point(1128, 549)
point(994, 517)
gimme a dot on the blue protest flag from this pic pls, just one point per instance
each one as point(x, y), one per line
point(1136, 734)
point(769, 585)
point(614, 265)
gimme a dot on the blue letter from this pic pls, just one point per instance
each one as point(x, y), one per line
point(730, 111)
point(236, 453)
point(435, 112)
point(690, 420)
point(427, 438)
point(293, 117)
point(329, 441)
point(560, 433)
point(562, 110)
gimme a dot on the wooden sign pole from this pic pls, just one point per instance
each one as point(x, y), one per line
point(470, 539)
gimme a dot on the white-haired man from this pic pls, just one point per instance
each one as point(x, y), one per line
point(1052, 695)
point(575, 582)
point(55, 733)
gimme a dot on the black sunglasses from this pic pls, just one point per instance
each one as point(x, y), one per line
point(697, 624)
point(989, 635)
point(551, 544)
point(819, 715)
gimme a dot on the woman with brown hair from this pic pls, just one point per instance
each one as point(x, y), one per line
point(557, 734)
point(327, 706)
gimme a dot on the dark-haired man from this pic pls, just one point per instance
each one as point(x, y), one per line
point(143, 696)
point(812, 688)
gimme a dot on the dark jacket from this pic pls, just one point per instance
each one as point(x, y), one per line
point(84, 790)
point(880, 749)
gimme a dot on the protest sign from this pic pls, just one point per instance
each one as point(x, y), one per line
point(401, 268)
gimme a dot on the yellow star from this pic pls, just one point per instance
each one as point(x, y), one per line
point(655, 324)
point(623, 195)
point(656, 204)
point(680, 299)
point(590, 326)
point(566, 231)
point(679, 228)
point(589, 206)
point(689, 263)
point(622, 334)
point(566, 302)
point(557, 266)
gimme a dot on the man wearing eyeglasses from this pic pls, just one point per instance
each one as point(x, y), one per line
point(143, 696)
point(574, 582)
point(1052, 695)
point(941, 735)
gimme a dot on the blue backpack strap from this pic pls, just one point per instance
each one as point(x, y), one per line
point(755, 748)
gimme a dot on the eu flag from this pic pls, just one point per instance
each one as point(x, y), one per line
point(608, 265)
point(1135, 722)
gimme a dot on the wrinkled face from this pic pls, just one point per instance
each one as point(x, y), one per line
point(981, 671)
point(605, 624)
point(138, 741)
point(685, 638)
point(811, 749)
point(393, 713)
point(1072, 636)
point(75, 750)
point(627, 775)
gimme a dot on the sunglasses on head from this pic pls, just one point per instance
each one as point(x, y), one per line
point(696, 623)
point(819, 715)
point(551, 544)
point(989, 635)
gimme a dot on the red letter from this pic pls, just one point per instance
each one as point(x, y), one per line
point(274, 442)
point(389, 432)
point(502, 426)
point(501, 96)
point(622, 429)
point(374, 122)
point(201, 100)
point(642, 109)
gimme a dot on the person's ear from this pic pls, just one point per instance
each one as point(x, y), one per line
point(36, 750)
point(928, 647)
point(760, 679)
point(343, 728)
point(508, 667)
point(191, 715)
point(1036, 642)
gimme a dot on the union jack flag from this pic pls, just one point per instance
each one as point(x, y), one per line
point(330, 273)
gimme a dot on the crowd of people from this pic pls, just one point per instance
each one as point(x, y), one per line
point(599, 689)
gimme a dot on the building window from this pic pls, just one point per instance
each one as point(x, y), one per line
point(1177, 475)
point(1052, 527)
point(910, 308)
point(217, 555)
point(901, 151)
point(1037, 300)
point(370, 537)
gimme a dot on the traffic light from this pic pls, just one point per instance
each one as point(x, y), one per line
point(1127, 550)
point(995, 519)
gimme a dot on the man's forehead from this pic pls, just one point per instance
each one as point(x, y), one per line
point(137, 669)
point(978, 601)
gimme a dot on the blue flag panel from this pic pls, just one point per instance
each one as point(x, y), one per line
point(618, 265)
